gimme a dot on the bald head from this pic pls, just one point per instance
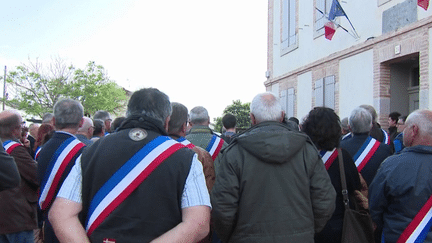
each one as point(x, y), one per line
point(418, 130)
point(87, 127)
point(266, 107)
point(10, 124)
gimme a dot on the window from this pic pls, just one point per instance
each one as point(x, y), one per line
point(325, 92)
point(287, 101)
point(320, 19)
point(289, 34)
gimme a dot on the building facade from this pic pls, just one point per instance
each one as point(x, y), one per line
point(385, 62)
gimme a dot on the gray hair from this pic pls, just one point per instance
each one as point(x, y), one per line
point(266, 107)
point(198, 115)
point(421, 118)
point(88, 122)
point(179, 116)
point(344, 123)
point(360, 120)
point(47, 117)
point(371, 110)
point(149, 102)
point(102, 115)
point(68, 113)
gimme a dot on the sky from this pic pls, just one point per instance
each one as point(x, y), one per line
point(198, 52)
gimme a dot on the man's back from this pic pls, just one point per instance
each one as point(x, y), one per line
point(355, 143)
point(139, 211)
point(400, 189)
point(272, 187)
point(18, 204)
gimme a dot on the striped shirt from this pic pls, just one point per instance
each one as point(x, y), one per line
point(195, 192)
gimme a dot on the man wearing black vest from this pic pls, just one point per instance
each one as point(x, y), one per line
point(58, 156)
point(136, 185)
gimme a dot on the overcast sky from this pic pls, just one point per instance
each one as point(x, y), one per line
point(198, 52)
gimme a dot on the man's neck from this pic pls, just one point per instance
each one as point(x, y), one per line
point(231, 130)
point(68, 130)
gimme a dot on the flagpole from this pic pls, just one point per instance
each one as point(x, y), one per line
point(338, 25)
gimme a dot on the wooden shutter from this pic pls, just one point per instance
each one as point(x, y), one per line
point(329, 92)
point(319, 93)
point(290, 103)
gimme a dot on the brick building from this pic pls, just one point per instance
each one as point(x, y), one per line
point(386, 66)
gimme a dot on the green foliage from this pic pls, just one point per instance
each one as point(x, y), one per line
point(240, 111)
point(35, 89)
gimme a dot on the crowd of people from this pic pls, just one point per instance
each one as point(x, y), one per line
point(161, 174)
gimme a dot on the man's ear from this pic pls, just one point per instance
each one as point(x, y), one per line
point(167, 123)
point(81, 122)
point(282, 117)
point(253, 120)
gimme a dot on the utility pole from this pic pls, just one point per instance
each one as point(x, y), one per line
point(4, 88)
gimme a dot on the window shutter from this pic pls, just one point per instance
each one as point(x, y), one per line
point(292, 22)
point(285, 26)
point(319, 93)
point(290, 101)
point(329, 96)
point(320, 18)
point(284, 99)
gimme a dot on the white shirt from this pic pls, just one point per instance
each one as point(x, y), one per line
point(195, 192)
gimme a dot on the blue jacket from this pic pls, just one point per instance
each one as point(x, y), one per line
point(400, 189)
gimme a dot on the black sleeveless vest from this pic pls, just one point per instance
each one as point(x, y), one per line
point(153, 208)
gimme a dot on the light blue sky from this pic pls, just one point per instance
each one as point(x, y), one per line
point(198, 52)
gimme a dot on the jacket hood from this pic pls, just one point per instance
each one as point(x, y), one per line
point(272, 142)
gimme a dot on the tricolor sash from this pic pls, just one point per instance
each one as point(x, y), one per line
point(328, 157)
point(215, 146)
point(56, 167)
point(420, 226)
point(346, 136)
point(386, 139)
point(124, 181)
point(185, 142)
point(37, 152)
point(365, 153)
point(10, 145)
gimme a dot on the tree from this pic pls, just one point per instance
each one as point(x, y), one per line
point(35, 88)
point(240, 111)
point(95, 91)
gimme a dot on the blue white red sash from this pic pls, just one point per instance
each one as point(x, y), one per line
point(10, 145)
point(386, 139)
point(185, 142)
point(328, 157)
point(56, 167)
point(215, 146)
point(37, 152)
point(346, 136)
point(365, 153)
point(128, 178)
point(420, 226)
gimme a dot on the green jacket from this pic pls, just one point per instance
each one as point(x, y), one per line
point(200, 136)
point(271, 186)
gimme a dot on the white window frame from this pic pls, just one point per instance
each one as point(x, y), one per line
point(289, 37)
point(320, 20)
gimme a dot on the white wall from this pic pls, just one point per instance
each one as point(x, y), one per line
point(311, 49)
point(365, 16)
point(304, 95)
point(355, 82)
